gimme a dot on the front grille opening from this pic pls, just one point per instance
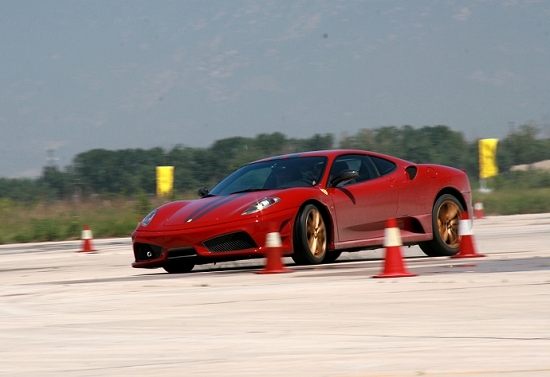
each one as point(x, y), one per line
point(230, 242)
point(182, 252)
point(145, 251)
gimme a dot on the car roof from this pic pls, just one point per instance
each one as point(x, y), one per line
point(331, 153)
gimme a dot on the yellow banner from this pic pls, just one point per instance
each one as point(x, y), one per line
point(487, 158)
point(165, 180)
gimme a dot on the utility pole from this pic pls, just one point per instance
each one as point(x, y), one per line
point(51, 160)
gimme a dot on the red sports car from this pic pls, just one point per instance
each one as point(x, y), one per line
point(322, 203)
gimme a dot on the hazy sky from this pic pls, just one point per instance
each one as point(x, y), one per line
point(78, 75)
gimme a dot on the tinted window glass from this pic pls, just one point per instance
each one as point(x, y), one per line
point(358, 163)
point(272, 174)
point(383, 166)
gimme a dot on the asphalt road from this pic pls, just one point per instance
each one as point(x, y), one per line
point(66, 313)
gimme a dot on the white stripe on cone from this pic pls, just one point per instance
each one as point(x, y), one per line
point(273, 239)
point(465, 227)
point(87, 234)
point(392, 237)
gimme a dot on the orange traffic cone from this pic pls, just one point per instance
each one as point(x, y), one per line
point(466, 248)
point(273, 255)
point(393, 261)
point(478, 210)
point(87, 239)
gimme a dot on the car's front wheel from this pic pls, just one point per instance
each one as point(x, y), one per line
point(445, 218)
point(179, 267)
point(332, 256)
point(310, 237)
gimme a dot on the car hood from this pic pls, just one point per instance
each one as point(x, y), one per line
point(216, 208)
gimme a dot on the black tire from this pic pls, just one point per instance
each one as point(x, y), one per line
point(179, 267)
point(445, 218)
point(310, 236)
point(331, 256)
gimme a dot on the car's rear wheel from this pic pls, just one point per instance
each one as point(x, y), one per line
point(179, 267)
point(310, 237)
point(445, 218)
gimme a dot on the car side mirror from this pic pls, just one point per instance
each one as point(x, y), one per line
point(344, 176)
point(203, 191)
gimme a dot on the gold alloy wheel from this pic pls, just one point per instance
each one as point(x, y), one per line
point(448, 216)
point(316, 233)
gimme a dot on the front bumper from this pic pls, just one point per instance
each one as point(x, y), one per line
point(241, 239)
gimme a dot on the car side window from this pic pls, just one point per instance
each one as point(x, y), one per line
point(339, 165)
point(359, 163)
point(382, 165)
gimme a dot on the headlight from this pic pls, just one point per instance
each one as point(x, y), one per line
point(147, 219)
point(260, 205)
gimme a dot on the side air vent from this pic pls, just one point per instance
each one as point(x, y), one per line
point(411, 171)
point(230, 242)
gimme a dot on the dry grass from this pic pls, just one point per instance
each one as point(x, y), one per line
point(65, 220)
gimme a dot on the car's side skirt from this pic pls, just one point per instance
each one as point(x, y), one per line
point(407, 238)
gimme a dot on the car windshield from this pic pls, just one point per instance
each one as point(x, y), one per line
point(273, 174)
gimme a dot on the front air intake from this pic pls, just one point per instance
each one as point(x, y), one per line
point(230, 242)
point(145, 251)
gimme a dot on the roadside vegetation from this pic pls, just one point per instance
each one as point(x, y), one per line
point(517, 192)
point(112, 190)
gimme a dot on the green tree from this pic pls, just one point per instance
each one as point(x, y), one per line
point(57, 184)
point(317, 142)
point(270, 144)
point(20, 189)
point(522, 147)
